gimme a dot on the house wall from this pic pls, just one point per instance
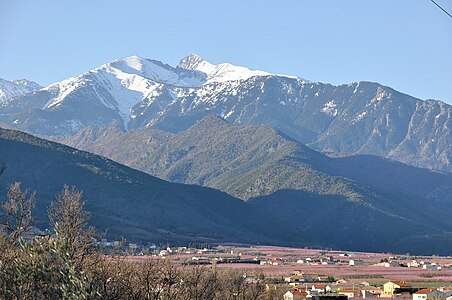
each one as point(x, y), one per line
point(288, 296)
point(419, 296)
point(349, 295)
point(389, 287)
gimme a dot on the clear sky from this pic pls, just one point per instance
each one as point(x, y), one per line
point(405, 44)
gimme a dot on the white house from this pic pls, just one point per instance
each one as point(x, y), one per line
point(294, 295)
point(371, 292)
point(390, 287)
point(321, 288)
point(350, 293)
point(355, 262)
point(431, 267)
point(288, 296)
point(391, 264)
point(294, 279)
point(425, 294)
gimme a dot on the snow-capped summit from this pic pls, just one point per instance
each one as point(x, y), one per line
point(156, 71)
point(134, 92)
point(126, 84)
point(191, 62)
point(16, 88)
point(218, 73)
point(123, 83)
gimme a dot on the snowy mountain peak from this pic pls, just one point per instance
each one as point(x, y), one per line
point(153, 70)
point(131, 64)
point(192, 62)
point(218, 73)
point(126, 88)
point(31, 85)
point(16, 88)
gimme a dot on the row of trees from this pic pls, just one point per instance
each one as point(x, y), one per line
point(66, 265)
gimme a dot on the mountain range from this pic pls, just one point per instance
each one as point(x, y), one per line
point(339, 213)
point(369, 196)
point(128, 203)
point(240, 155)
point(133, 92)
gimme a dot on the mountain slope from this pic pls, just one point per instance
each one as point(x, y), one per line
point(363, 197)
point(212, 152)
point(357, 118)
point(129, 203)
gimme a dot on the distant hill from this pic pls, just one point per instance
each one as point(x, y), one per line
point(358, 202)
point(134, 92)
point(129, 203)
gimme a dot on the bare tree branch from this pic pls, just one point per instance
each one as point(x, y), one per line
point(17, 211)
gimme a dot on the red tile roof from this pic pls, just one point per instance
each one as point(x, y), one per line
point(424, 291)
point(319, 285)
point(299, 292)
point(401, 283)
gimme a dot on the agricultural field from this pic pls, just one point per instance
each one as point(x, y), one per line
point(279, 262)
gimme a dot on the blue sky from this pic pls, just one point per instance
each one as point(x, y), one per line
point(405, 44)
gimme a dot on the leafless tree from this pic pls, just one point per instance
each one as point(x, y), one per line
point(69, 219)
point(17, 211)
point(199, 283)
point(171, 279)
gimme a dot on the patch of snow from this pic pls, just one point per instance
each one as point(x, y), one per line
point(356, 88)
point(379, 96)
point(330, 108)
point(229, 114)
point(360, 116)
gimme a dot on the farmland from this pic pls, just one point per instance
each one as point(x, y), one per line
point(278, 262)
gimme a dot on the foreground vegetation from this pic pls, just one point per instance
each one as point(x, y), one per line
point(67, 265)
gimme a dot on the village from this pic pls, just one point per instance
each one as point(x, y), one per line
point(312, 286)
point(322, 274)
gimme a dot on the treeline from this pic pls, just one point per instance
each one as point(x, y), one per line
point(65, 263)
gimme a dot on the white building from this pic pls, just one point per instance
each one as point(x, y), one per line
point(355, 262)
point(425, 294)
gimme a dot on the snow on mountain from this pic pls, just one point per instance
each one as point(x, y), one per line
point(218, 73)
point(62, 89)
point(15, 88)
point(123, 83)
point(156, 71)
point(127, 82)
point(358, 118)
